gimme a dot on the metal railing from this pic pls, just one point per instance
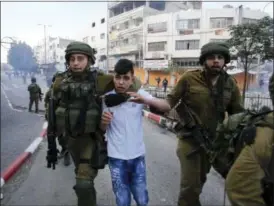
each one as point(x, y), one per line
point(252, 101)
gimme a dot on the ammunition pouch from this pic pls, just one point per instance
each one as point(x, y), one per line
point(99, 153)
point(67, 119)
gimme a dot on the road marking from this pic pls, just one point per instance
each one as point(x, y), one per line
point(9, 103)
point(34, 145)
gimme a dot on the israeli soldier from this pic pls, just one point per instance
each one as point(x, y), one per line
point(78, 115)
point(206, 95)
point(35, 94)
point(61, 139)
point(250, 176)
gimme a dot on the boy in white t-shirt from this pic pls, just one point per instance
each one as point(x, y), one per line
point(124, 133)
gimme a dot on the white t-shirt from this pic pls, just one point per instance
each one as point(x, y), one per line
point(125, 132)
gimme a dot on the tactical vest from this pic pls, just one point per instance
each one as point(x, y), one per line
point(78, 111)
point(232, 136)
point(33, 88)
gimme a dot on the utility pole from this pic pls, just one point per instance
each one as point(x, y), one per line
point(45, 40)
point(107, 59)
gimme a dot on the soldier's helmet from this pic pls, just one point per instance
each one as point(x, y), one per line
point(80, 48)
point(271, 88)
point(33, 79)
point(215, 48)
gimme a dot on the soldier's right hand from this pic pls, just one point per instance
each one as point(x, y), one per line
point(106, 118)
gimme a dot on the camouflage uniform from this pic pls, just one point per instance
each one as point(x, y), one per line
point(193, 88)
point(253, 164)
point(73, 93)
point(35, 94)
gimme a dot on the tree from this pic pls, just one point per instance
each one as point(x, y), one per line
point(252, 40)
point(21, 57)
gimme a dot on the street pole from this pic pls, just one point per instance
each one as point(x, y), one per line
point(45, 36)
point(45, 40)
point(107, 59)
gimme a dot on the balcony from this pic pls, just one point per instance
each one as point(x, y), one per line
point(118, 34)
point(156, 55)
point(124, 49)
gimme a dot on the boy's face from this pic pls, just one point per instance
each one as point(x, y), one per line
point(123, 81)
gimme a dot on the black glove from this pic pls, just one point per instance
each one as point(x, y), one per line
point(52, 158)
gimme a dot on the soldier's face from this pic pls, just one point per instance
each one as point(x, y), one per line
point(215, 62)
point(78, 62)
point(123, 82)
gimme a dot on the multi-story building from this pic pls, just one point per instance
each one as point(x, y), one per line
point(176, 38)
point(125, 26)
point(54, 52)
point(96, 37)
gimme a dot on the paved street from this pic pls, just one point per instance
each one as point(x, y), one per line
point(18, 130)
point(47, 187)
point(17, 91)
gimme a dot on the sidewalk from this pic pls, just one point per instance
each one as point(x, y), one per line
point(43, 186)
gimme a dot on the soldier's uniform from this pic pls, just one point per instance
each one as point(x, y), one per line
point(253, 164)
point(35, 94)
point(74, 94)
point(204, 101)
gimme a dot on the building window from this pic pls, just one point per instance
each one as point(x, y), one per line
point(139, 3)
point(187, 44)
point(221, 22)
point(186, 62)
point(93, 24)
point(157, 46)
point(93, 38)
point(61, 57)
point(157, 27)
point(188, 24)
point(102, 20)
point(138, 21)
point(158, 5)
point(102, 36)
point(85, 39)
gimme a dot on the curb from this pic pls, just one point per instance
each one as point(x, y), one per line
point(162, 121)
point(19, 161)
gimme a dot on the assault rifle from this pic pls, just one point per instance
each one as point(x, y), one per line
point(51, 135)
point(189, 127)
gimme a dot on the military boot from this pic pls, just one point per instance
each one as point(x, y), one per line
point(86, 193)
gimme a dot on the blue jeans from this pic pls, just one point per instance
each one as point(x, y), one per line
point(129, 176)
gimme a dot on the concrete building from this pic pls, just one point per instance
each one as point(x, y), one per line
point(126, 23)
point(55, 51)
point(96, 36)
point(177, 37)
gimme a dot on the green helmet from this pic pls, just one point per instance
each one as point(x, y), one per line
point(214, 48)
point(271, 88)
point(80, 48)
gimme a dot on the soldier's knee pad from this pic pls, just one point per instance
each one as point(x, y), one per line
point(84, 188)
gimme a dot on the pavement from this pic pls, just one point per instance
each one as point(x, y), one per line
point(42, 186)
point(27, 181)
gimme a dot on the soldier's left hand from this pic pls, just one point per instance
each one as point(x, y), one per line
point(137, 98)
